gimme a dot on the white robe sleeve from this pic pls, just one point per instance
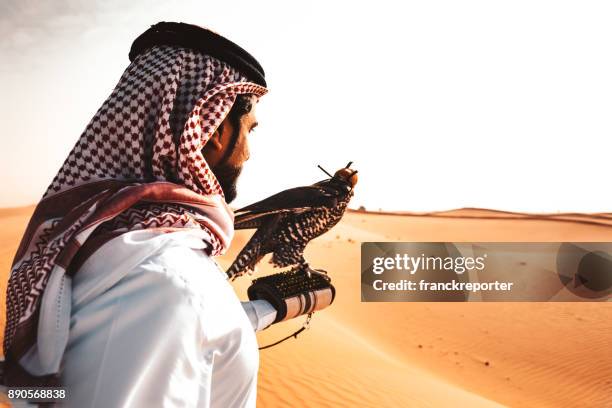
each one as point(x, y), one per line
point(260, 312)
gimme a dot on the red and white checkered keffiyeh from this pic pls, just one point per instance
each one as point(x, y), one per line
point(137, 165)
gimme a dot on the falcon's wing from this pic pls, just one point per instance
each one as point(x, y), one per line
point(294, 201)
point(250, 220)
point(299, 197)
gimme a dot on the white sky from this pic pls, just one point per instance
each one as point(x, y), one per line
point(440, 104)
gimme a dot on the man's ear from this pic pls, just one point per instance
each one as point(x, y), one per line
point(215, 139)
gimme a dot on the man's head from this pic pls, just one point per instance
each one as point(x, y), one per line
point(210, 73)
point(228, 147)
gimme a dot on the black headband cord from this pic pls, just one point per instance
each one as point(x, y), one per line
point(202, 40)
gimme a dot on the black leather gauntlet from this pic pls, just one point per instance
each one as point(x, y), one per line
point(293, 293)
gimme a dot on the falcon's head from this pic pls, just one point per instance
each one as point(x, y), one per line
point(347, 176)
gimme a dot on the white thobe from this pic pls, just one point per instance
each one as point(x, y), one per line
point(155, 323)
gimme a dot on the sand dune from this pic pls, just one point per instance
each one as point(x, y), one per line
point(428, 354)
point(515, 354)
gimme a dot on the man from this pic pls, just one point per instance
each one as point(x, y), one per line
point(114, 293)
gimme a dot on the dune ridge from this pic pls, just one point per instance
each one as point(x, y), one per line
point(600, 219)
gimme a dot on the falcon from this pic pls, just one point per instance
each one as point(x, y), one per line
point(287, 221)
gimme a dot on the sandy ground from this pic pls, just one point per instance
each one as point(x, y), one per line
point(427, 354)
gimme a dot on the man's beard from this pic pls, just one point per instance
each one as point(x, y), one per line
point(227, 176)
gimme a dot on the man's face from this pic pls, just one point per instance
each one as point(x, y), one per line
point(228, 149)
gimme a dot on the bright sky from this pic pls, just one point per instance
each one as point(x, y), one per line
point(440, 104)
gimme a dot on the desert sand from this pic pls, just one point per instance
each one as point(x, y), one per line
point(426, 354)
